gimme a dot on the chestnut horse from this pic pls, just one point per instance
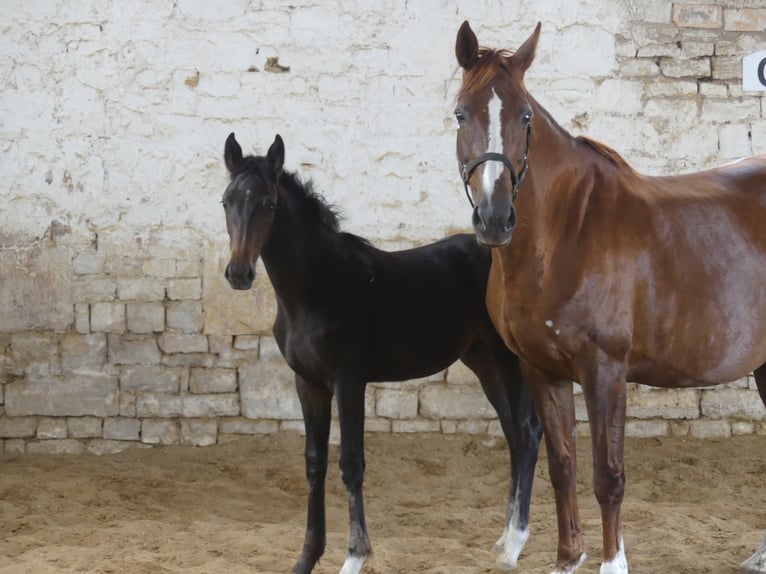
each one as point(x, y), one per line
point(611, 276)
point(349, 314)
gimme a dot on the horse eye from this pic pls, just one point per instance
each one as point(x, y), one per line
point(526, 118)
point(225, 204)
point(459, 116)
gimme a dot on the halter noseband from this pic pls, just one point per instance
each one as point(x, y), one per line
point(466, 169)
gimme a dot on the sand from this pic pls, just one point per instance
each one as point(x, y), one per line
point(435, 503)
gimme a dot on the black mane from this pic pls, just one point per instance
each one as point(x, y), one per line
point(313, 206)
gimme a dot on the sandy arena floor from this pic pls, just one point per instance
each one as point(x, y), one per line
point(435, 504)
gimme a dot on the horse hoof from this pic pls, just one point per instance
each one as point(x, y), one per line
point(505, 566)
point(571, 568)
point(353, 564)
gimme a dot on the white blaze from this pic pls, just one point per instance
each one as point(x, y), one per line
point(493, 169)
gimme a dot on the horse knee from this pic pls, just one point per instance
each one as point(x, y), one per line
point(316, 467)
point(609, 485)
point(352, 470)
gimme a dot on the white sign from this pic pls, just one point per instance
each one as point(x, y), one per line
point(754, 72)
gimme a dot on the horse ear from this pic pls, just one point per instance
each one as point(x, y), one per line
point(466, 46)
point(276, 154)
point(523, 57)
point(232, 153)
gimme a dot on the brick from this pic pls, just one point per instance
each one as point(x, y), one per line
point(396, 404)
point(83, 353)
point(188, 268)
point(14, 446)
point(94, 289)
point(133, 350)
point(745, 19)
point(160, 432)
point(722, 403)
point(122, 429)
point(178, 343)
point(17, 427)
point(742, 428)
point(710, 429)
point(162, 405)
point(688, 15)
point(644, 429)
point(726, 68)
point(472, 426)
point(78, 395)
point(145, 317)
point(48, 428)
point(677, 68)
point(213, 381)
point(150, 378)
point(415, 426)
point(248, 342)
point(449, 402)
point(639, 68)
point(141, 289)
point(186, 316)
point(199, 432)
point(33, 347)
point(107, 317)
point(240, 425)
point(159, 267)
point(267, 390)
point(84, 427)
point(189, 288)
point(664, 403)
point(59, 446)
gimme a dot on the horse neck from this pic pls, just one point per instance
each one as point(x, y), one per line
point(294, 252)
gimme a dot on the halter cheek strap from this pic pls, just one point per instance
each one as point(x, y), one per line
point(466, 169)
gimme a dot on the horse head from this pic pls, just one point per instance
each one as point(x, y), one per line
point(250, 203)
point(494, 115)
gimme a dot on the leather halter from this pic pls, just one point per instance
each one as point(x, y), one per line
point(466, 169)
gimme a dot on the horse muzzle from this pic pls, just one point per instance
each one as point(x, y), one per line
point(240, 277)
point(492, 229)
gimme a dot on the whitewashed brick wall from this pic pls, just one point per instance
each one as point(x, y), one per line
point(116, 326)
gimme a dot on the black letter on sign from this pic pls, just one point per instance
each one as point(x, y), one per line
point(761, 77)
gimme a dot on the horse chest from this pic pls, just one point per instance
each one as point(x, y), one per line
point(304, 345)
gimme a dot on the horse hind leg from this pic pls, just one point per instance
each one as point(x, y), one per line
point(756, 564)
point(500, 377)
point(350, 399)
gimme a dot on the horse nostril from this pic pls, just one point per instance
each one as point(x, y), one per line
point(512, 220)
point(476, 219)
point(226, 272)
point(250, 274)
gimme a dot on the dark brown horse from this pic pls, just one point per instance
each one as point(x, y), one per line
point(349, 314)
point(612, 276)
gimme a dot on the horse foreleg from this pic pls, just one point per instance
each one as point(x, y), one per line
point(316, 403)
point(554, 401)
point(350, 399)
point(605, 397)
point(756, 564)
